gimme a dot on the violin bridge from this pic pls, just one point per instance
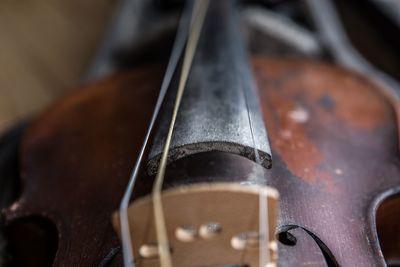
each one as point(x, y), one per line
point(207, 225)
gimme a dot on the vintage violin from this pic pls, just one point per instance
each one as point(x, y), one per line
point(240, 160)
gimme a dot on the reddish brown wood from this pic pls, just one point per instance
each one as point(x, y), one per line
point(334, 141)
point(76, 159)
point(335, 146)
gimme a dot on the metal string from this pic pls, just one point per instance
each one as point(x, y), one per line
point(199, 12)
point(264, 258)
point(179, 44)
point(263, 198)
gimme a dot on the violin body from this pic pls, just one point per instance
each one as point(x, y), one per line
point(334, 141)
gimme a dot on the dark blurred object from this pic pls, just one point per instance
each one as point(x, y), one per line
point(374, 32)
point(9, 179)
point(391, 8)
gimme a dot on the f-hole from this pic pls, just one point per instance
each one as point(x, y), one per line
point(285, 237)
point(329, 258)
point(33, 241)
point(388, 228)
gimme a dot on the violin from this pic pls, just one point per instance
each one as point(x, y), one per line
point(215, 158)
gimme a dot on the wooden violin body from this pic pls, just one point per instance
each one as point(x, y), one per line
point(334, 139)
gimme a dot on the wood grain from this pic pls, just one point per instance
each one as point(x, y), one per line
point(335, 159)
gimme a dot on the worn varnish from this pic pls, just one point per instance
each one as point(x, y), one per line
point(334, 143)
point(335, 154)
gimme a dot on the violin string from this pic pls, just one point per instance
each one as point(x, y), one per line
point(265, 256)
point(178, 47)
point(264, 253)
point(199, 12)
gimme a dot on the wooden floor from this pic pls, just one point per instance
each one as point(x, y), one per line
point(45, 48)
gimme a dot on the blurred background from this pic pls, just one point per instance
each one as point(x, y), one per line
point(46, 47)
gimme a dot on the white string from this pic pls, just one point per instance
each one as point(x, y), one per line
point(199, 11)
point(182, 33)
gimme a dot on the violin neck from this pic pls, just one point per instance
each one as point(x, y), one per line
point(220, 109)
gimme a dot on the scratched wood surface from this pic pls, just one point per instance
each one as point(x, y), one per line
point(45, 48)
point(334, 159)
